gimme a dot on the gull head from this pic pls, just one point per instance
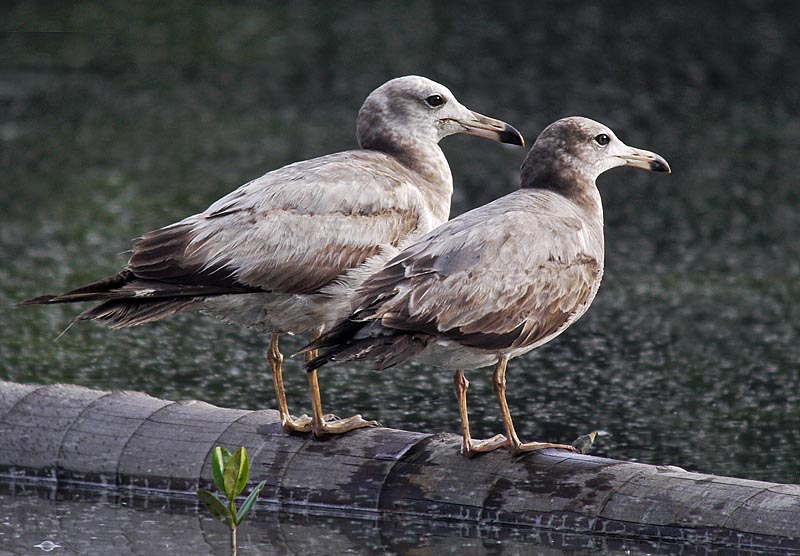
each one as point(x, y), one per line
point(580, 147)
point(413, 109)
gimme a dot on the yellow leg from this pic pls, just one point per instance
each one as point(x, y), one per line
point(319, 424)
point(470, 447)
point(289, 423)
point(513, 442)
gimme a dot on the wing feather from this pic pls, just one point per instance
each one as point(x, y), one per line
point(294, 230)
point(503, 276)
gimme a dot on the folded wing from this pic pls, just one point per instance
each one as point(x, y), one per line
point(506, 275)
point(293, 231)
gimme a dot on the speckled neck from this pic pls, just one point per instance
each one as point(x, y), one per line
point(560, 173)
point(430, 163)
point(426, 159)
point(415, 147)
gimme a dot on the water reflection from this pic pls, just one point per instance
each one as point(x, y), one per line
point(36, 518)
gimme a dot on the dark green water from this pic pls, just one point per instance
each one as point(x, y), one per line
point(115, 120)
point(85, 523)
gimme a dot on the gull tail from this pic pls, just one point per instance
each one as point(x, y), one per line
point(347, 342)
point(342, 332)
point(122, 313)
point(92, 292)
point(126, 300)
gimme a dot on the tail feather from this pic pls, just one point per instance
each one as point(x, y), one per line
point(127, 300)
point(39, 300)
point(401, 349)
point(346, 352)
point(385, 351)
point(138, 290)
point(342, 332)
point(121, 313)
point(104, 286)
point(92, 292)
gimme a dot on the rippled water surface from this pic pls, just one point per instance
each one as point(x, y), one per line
point(35, 519)
point(117, 118)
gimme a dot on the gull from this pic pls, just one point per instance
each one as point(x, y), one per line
point(498, 281)
point(285, 252)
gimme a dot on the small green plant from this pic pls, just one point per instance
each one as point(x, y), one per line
point(230, 472)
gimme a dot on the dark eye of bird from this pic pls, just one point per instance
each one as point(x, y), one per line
point(434, 100)
point(602, 139)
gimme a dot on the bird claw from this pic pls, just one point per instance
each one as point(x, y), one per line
point(472, 448)
point(296, 424)
point(526, 447)
point(304, 423)
point(341, 426)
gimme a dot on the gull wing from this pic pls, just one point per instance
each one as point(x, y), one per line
point(505, 275)
point(293, 230)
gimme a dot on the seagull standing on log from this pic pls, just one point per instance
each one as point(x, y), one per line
point(497, 281)
point(285, 252)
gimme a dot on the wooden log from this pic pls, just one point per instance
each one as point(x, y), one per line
point(67, 434)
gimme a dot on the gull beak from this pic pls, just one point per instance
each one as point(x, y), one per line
point(645, 160)
point(483, 126)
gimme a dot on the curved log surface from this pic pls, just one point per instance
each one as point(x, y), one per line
point(129, 440)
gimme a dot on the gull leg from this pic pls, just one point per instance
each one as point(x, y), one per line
point(319, 425)
point(513, 442)
point(470, 447)
point(288, 423)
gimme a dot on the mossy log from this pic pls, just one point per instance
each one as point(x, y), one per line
point(67, 434)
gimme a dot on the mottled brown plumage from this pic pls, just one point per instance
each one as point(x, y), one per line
point(504, 277)
point(498, 281)
point(285, 252)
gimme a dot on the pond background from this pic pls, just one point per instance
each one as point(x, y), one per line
point(117, 118)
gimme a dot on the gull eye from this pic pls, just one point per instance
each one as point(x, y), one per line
point(434, 100)
point(602, 139)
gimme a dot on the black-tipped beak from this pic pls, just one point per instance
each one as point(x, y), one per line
point(646, 160)
point(660, 165)
point(483, 126)
point(511, 136)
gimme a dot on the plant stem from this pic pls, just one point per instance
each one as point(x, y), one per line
point(233, 541)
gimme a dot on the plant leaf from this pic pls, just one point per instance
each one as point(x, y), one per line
point(237, 471)
point(583, 444)
point(244, 472)
point(215, 506)
point(226, 455)
point(218, 460)
point(244, 511)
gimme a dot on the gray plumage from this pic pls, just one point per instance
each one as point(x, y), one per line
point(499, 280)
point(285, 252)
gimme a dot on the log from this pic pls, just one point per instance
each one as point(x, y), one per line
point(62, 435)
